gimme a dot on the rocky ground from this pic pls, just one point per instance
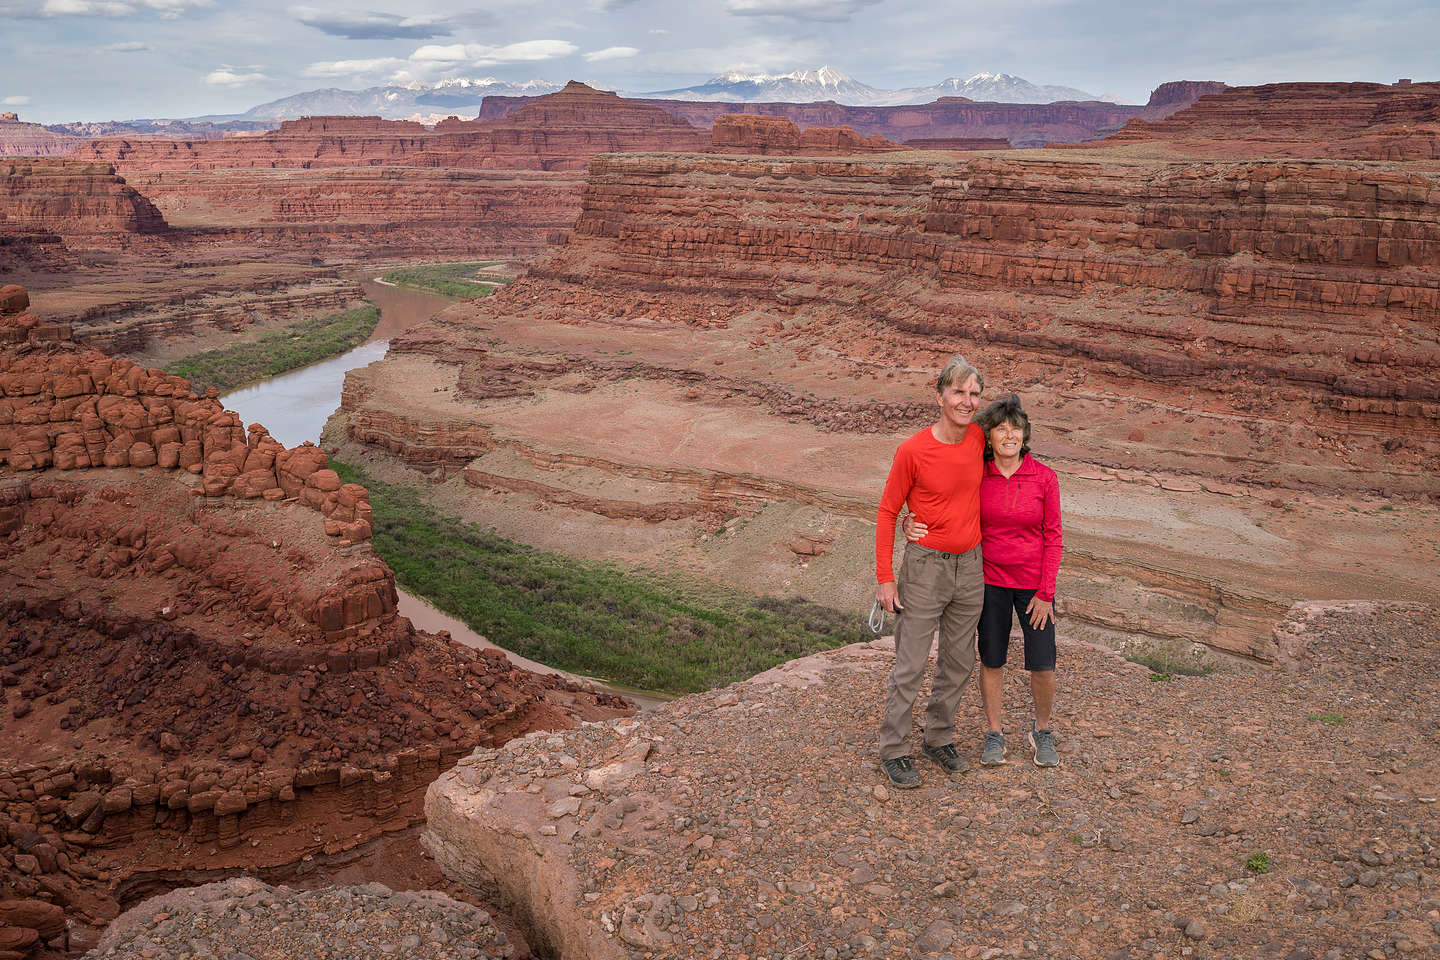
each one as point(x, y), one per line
point(245, 919)
point(1240, 814)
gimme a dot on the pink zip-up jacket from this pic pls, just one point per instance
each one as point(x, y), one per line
point(1020, 527)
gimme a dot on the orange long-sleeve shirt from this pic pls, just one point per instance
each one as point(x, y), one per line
point(941, 481)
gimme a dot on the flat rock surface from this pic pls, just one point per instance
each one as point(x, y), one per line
point(1239, 814)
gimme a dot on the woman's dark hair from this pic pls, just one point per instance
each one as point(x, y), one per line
point(1005, 410)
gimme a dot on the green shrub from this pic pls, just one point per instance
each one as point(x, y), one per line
point(454, 280)
point(1258, 863)
point(277, 351)
point(596, 619)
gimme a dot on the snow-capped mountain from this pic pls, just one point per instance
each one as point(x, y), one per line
point(399, 101)
point(800, 86)
point(827, 83)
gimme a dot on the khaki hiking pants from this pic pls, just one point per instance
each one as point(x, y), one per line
point(942, 591)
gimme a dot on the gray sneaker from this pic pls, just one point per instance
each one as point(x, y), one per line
point(946, 756)
point(1044, 746)
point(901, 773)
point(994, 753)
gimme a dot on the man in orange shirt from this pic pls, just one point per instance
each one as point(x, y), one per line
point(941, 582)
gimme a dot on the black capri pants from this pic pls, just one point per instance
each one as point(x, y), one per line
point(1002, 605)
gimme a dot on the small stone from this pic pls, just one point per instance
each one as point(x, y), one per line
point(879, 792)
point(564, 807)
point(1196, 930)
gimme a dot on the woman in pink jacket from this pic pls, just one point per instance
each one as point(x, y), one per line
point(1020, 544)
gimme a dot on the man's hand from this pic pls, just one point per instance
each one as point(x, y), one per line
point(914, 529)
point(1040, 612)
point(888, 597)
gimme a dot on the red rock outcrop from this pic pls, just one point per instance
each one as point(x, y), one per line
point(71, 200)
point(1372, 121)
point(203, 666)
point(777, 136)
point(560, 131)
point(1020, 124)
point(19, 139)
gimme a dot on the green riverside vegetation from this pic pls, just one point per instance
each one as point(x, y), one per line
point(276, 351)
point(454, 280)
point(643, 631)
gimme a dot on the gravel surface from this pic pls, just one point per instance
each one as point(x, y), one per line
point(1252, 813)
point(245, 919)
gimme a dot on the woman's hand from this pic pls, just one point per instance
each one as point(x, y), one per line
point(1040, 612)
point(914, 529)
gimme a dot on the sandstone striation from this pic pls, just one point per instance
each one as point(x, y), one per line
point(71, 200)
point(1188, 814)
point(770, 136)
point(204, 669)
point(1369, 121)
point(1023, 125)
point(368, 213)
point(1248, 247)
point(19, 139)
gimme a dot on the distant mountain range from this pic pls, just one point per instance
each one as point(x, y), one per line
point(827, 83)
point(399, 101)
point(424, 101)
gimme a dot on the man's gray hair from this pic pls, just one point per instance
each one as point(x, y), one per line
point(955, 372)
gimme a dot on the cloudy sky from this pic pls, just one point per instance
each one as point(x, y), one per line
point(122, 59)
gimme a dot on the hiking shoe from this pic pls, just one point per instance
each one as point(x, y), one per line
point(994, 753)
point(901, 773)
point(946, 756)
point(1044, 746)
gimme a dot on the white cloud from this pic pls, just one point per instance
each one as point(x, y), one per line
point(130, 46)
point(228, 77)
point(167, 9)
point(351, 68)
point(374, 25)
point(611, 53)
point(831, 10)
point(603, 6)
point(15, 101)
point(484, 55)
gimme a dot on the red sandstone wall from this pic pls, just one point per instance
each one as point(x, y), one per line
point(777, 136)
point(1359, 120)
point(18, 139)
point(71, 199)
point(1288, 269)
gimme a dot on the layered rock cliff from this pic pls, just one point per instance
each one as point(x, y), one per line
point(777, 136)
point(71, 200)
point(20, 139)
point(370, 212)
point(1371, 121)
point(1252, 248)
